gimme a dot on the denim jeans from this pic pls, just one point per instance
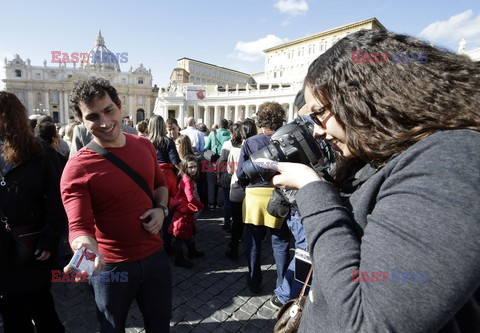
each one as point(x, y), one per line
point(149, 282)
point(280, 243)
point(227, 208)
point(290, 288)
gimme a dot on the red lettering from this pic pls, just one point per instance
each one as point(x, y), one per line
point(384, 57)
point(356, 57)
point(65, 57)
point(75, 57)
point(355, 275)
point(384, 276)
point(56, 275)
point(366, 58)
point(365, 277)
point(65, 278)
point(374, 56)
point(374, 276)
point(84, 57)
point(55, 55)
point(206, 166)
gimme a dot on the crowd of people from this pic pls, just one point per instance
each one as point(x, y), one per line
point(397, 195)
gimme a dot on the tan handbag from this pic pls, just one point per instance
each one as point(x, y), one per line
point(291, 312)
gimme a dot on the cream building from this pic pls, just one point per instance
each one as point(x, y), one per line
point(235, 95)
point(46, 89)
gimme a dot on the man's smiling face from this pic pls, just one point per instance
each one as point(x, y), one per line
point(103, 118)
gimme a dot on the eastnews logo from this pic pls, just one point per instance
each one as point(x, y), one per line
point(359, 57)
point(96, 57)
point(396, 276)
point(60, 276)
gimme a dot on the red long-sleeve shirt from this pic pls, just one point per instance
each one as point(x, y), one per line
point(102, 201)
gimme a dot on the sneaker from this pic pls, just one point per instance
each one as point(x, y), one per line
point(275, 302)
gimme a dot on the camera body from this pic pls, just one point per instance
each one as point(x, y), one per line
point(293, 142)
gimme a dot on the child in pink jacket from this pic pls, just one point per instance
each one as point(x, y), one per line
point(185, 205)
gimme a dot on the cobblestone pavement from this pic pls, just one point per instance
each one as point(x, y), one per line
point(211, 297)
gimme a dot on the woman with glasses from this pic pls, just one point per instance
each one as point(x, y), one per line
point(397, 248)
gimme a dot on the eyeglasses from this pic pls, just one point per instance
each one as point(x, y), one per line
point(319, 116)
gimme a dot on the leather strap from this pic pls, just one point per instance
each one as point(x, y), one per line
point(306, 282)
point(122, 166)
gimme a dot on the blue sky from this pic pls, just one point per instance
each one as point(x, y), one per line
point(222, 32)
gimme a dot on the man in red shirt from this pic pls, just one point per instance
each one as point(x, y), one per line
point(111, 215)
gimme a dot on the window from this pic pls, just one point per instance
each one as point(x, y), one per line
point(37, 76)
point(140, 80)
point(18, 73)
point(54, 97)
point(139, 100)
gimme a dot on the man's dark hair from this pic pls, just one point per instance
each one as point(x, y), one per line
point(271, 115)
point(224, 123)
point(171, 121)
point(88, 91)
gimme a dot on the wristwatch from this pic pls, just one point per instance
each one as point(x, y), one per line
point(165, 209)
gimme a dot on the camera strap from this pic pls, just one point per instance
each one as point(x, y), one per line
point(122, 166)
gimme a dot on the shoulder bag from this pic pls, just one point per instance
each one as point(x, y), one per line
point(290, 313)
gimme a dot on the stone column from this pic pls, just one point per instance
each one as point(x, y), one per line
point(47, 103)
point(30, 101)
point(61, 111)
point(206, 117)
point(237, 113)
point(290, 112)
point(148, 111)
point(181, 115)
point(216, 115)
point(130, 110)
point(66, 109)
point(196, 113)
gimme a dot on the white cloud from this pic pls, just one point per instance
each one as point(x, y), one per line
point(463, 25)
point(253, 51)
point(292, 7)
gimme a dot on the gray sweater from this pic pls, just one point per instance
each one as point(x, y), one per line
point(415, 225)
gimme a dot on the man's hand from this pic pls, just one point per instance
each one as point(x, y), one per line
point(293, 176)
point(155, 216)
point(91, 244)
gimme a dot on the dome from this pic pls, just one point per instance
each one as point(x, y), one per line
point(101, 58)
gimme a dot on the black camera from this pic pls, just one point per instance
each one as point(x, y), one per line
point(293, 142)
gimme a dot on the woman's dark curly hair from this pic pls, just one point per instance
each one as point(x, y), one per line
point(19, 143)
point(88, 91)
point(271, 115)
point(385, 108)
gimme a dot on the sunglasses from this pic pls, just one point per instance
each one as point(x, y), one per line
point(318, 117)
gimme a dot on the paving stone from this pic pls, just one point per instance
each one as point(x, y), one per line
point(210, 297)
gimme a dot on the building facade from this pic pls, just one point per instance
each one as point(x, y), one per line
point(235, 95)
point(46, 89)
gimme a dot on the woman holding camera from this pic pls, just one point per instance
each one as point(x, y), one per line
point(400, 253)
point(270, 117)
